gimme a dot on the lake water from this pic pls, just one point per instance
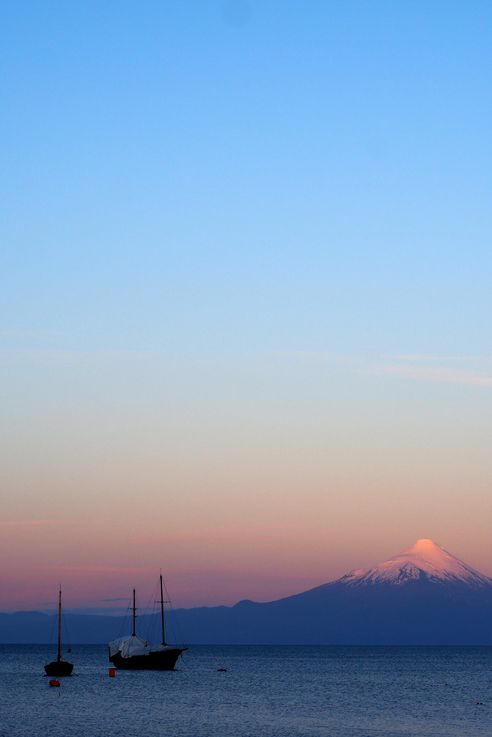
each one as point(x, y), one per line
point(266, 692)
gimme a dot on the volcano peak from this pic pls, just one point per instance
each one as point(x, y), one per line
point(425, 543)
point(424, 560)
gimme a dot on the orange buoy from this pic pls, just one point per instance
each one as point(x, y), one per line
point(111, 672)
point(54, 682)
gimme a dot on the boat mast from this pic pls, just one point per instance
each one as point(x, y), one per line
point(134, 615)
point(58, 656)
point(162, 614)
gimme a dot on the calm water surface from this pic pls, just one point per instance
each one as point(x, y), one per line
point(266, 692)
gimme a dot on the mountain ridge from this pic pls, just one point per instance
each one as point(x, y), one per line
point(422, 596)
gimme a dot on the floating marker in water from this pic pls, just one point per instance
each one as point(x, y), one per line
point(54, 682)
point(112, 672)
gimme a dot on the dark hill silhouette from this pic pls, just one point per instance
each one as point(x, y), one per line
point(423, 596)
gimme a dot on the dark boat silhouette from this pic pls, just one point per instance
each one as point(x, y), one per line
point(59, 668)
point(134, 653)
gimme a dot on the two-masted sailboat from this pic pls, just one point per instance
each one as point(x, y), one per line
point(134, 653)
point(59, 668)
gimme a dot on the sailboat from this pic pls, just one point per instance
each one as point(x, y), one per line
point(59, 668)
point(134, 653)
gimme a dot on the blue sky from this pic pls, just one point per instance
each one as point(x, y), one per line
point(320, 161)
point(251, 236)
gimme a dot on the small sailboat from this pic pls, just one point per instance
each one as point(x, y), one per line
point(59, 668)
point(134, 653)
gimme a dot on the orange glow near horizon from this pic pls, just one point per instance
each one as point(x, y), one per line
point(204, 567)
point(236, 500)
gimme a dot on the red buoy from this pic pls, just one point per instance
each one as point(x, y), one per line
point(111, 672)
point(54, 682)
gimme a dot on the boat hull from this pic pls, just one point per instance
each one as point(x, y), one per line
point(59, 669)
point(158, 660)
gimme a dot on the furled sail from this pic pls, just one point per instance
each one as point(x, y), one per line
point(128, 647)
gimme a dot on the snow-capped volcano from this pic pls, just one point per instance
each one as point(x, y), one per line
point(425, 560)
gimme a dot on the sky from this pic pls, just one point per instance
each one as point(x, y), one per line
point(245, 269)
